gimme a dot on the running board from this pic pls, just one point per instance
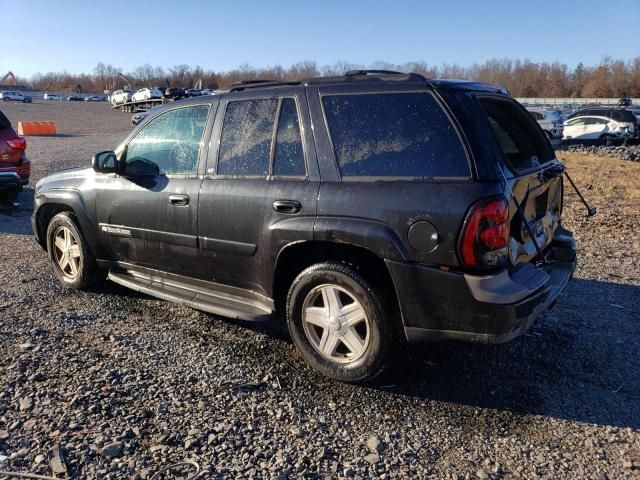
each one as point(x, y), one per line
point(201, 295)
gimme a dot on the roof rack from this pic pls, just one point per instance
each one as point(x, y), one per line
point(260, 83)
point(352, 73)
point(347, 77)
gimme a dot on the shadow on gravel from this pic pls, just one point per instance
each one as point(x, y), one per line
point(580, 362)
point(16, 218)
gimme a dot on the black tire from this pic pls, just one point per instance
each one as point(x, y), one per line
point(606, 139)
point(6, 99)
point(88, 274)
point(378, 320)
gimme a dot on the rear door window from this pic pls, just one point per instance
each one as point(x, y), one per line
point(393, 135)
point(288, 157)
point(245, 143)
point(519, 136)
point(256, 141)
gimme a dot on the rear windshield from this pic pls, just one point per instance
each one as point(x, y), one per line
point(4, 121)
point(394, 135)
point(519, 136)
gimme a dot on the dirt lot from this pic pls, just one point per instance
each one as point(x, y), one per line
point(125, 384)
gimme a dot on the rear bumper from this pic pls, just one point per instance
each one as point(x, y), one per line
point(439, 305)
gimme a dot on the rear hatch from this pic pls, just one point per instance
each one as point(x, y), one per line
point(533, 173)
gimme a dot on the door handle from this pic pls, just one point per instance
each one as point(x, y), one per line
point(179, 200)
point(287, 206)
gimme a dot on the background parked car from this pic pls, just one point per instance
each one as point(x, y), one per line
point(549, 120)
point(208, 91)
point(120, 96)
point(597, 129)
point(614, 113)
point(52, 96)
point(15, 168)
point(96, 98)
point(192, 92)
point(624, 102)
point(146, 94)
point(75, 98)
point(8, 95)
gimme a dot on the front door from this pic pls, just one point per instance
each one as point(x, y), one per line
point(151, 220)
point(260, 189)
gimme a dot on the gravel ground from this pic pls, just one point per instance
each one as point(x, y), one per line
point(119, 385)
point(624, 152)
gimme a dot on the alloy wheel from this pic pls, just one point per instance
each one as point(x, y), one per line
point(335, 323)
point(66, 252)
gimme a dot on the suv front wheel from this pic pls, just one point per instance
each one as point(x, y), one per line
point(69, 253)
point(339, 322)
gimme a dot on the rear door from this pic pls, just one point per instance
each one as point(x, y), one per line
point(260, 189)
point(594, 128)
point(531, 172)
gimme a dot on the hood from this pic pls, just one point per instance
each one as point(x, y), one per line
point(67, 174)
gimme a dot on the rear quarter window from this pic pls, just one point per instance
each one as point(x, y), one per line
point(393, 135)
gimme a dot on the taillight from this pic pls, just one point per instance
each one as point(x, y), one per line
point(18, 143)
point(485, 234)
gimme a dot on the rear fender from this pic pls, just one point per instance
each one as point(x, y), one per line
point(376, 237)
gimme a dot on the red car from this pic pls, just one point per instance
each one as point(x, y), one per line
point(15, 167)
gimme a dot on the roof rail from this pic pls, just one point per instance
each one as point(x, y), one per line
point(260, 83)
point(352, 73)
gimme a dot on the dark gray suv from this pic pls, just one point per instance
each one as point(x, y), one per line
point(367, 210)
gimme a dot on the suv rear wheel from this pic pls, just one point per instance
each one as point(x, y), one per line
point(69, 254)
point(339, 322)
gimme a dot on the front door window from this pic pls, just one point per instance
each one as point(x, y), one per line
point(172, 141)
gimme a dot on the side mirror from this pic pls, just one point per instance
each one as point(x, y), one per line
point(105, 162)
point(140, 168)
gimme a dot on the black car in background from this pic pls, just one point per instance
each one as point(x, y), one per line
point(365, 210)
point(174, 93)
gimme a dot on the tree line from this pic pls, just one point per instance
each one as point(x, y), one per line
point(610, 78)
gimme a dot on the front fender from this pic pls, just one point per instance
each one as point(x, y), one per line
point(71, 199)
